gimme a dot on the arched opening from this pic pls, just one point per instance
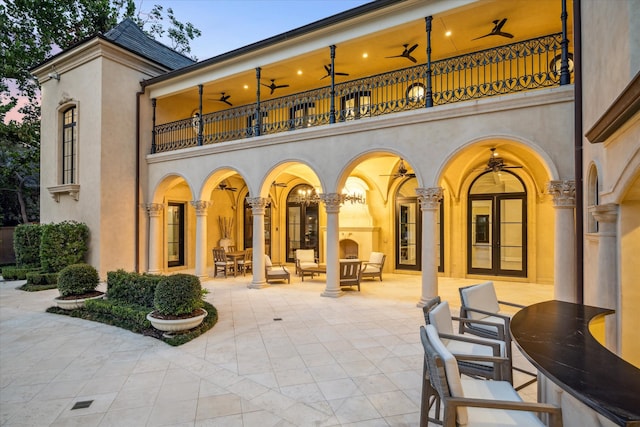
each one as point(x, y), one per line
point(497, 225)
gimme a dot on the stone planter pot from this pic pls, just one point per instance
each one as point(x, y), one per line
point(176, 325)
point(72, 304)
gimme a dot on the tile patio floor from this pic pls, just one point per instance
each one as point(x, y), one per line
point(350, 361)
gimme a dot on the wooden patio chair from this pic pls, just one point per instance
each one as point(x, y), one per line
point(350, 273)
point(245, 264)
point(221, 263)
point(473, 402)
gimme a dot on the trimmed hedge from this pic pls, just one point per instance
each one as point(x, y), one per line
point(132, 288)
point(178, 294)
point(17, 273)
point(26, 245)
point(38, 278)
point(78, 279)
point(63, 244)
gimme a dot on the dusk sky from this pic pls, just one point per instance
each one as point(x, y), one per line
point(230, 24)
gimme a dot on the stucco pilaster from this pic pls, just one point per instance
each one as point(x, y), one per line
point(606, 294)
point(332, 203)
point(154, 211)
point(201, 207)
point(429, 199)
point(258, 208)
point(564, 202)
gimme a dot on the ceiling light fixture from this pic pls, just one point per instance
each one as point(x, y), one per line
point(448, 33)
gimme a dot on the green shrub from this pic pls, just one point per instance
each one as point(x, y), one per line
point(77, 279)
point(132, 288)
point(178, 294)
point(38, 278)
point(17, 273)
point(63, 244)
point(26, 245)
point(129, 316)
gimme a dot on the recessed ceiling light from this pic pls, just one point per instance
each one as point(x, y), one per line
point(246, 86)
point(299, 72)
point(448, 33)
point(365, 55)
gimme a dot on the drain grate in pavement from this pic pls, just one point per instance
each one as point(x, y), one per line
point(83, 404)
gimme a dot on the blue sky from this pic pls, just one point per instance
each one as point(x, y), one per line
point(230, 24)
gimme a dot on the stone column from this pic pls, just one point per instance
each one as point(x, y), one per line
point(155, 243)
point(429, 199)
point(607, 280)
point(201, 207)
point(564, 270)
point(258, 206)
point(332, 203)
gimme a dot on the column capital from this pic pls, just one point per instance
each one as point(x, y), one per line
point(429, 198)
point(331, 201)
point(258, 204)
point(153, 209)
point(563, 193)
point(605, 213)
point(201, 206)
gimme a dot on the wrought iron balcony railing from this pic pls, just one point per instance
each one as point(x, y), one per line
point(517, 67)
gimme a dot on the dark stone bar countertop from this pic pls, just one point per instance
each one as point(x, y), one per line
point(555, 337)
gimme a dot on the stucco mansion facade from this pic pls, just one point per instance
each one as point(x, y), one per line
point(487, 139)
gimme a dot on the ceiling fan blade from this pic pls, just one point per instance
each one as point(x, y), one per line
point(341, 74)
point(481, 37)
point(499, 25)
point(395, 56)
point(412, 48)
point(508, 35)
point(412, 59)
point(227, 102)
point(279, 86)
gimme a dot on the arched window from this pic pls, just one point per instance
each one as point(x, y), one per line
point(69, 146)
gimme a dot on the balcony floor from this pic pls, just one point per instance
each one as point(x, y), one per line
point(354, 360)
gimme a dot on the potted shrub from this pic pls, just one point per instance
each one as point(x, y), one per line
point(76, 284)
point(178, 303)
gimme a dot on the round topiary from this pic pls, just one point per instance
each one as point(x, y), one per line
point(178, 294)
point(77, 279)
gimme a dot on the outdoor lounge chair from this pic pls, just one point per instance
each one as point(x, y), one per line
point(473, 402)
point(305, 258)
point(275, 272)
point(350, 272)
point(373, 267)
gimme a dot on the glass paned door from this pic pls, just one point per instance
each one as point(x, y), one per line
point(175, 234)
point(511, 235)
point(408, 235)
point(497, 226)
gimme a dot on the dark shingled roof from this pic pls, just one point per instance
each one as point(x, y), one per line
point(129, 36)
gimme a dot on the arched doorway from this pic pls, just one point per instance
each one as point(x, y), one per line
point(497, 225)
point(302, 220)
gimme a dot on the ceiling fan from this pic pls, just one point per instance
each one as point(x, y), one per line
point(279, 184)
point(273, 86)
point(496, 163)
point(328, 70)
point(225, 186)
point(497, 30)
point(406, 53)
point(224, 98)
point(402, 172)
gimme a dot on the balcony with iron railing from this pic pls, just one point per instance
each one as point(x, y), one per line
point(522, 66)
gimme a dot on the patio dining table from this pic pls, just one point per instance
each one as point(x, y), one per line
point(235, 256)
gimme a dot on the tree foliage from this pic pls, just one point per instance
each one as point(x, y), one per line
point(31, 31)
point(19, 171)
